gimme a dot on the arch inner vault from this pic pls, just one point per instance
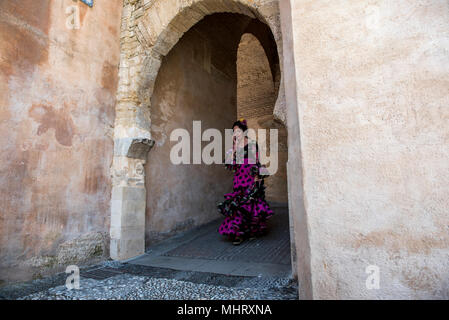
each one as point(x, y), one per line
point(150, 29)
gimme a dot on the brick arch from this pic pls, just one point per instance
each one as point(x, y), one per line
point(165, 21)
point(150, 29)
point(263, 34)
point(266, 40)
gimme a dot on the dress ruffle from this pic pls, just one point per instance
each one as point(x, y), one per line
point(245, 209)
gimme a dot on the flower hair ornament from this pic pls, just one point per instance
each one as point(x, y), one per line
point(243, 121)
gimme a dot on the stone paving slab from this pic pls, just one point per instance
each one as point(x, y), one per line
point(203, 249)
point(236, 268)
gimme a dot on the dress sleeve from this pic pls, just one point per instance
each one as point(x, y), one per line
point(229, 163)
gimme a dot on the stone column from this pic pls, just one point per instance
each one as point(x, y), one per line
point(298, 216)
point(128, 201)
point(132, 142)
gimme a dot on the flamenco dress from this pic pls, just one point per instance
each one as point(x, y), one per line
point(245, 209)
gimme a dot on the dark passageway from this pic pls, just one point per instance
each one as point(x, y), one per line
point(225, 67)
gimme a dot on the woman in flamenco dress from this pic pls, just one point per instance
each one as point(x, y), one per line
point(245, 209)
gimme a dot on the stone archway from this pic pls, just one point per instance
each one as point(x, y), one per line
point(150, 29)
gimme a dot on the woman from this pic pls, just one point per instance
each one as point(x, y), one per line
point(245, 208)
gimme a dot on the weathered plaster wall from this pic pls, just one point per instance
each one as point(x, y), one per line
point(57, 107)
point(372, 94)
point(196, 82)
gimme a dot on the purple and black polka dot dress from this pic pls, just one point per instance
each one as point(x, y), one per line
point(245, 209)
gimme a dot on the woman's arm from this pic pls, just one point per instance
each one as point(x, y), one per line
point(229, 160)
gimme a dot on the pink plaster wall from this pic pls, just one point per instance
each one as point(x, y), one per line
point(57, 98)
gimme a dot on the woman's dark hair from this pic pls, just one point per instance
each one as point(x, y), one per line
point(241, 124)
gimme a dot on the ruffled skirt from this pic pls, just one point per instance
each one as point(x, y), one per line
point(246, 212)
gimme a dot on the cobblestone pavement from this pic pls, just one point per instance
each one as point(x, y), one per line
point(122, 281)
